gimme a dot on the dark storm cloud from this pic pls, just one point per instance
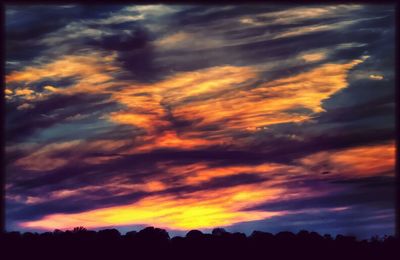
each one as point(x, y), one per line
point(267, 49)
point(245, 53)
point(230, 181)
point(195, 15)
point(212, 154)
point(23, 123)
point(369, 111)
point(214, 184)
point(140, 63)
point(27, 25)
point(136, 38)
point(361, 93)
point(132, 41)
point(261, 50)
point(377, 192)
point(92, 200)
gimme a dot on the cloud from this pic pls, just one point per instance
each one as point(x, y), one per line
point(266, 104)
point(225, 90)
point(89, 68)
point(374, 192)
point(376, 77)
point(194, 117)
point(51, 156)
point(185, 40)
point(24, 106)
point(29, 25)
point(362, 161)
point(299, 14)
point(50, 88)
point(48, 112)
point(313, 57)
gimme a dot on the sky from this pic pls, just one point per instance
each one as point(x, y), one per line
point(248, 117)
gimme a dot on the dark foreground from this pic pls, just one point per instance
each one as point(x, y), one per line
point(154, 243)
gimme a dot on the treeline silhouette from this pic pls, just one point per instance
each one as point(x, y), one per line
point(155, 243)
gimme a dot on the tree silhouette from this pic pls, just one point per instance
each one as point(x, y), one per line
point(155, 243)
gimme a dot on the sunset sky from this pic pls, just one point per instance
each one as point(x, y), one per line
point(248, 117)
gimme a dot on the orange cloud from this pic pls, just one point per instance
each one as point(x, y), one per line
point(170, 139)
point(8, 91)
point(197, 173)
point(148, 100)
point(360, 161)
point(51, 88)
point(26, 94)
point(269, 103)
point(93, 68)
point(146, 104)
point(23, 92)
point(221, 96)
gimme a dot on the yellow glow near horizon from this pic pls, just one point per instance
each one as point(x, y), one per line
point(192, 211)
